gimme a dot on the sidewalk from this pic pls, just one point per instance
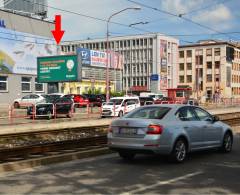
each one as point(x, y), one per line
point(54, 125)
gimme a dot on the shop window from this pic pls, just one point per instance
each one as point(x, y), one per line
point(3, 83)
point(38, 86)
point(26, 84)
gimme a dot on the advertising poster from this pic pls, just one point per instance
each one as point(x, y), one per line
point(99, 58)
point(163, 64)
point(19, 51)
point(58, 69)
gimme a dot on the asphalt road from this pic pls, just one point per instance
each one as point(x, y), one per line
point(202, 173)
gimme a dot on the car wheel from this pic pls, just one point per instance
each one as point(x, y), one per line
point(127, 155)
point(179, 151)
point(16, 105)
point(227, 143)
point(120, 114)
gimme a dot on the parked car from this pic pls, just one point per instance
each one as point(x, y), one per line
point(118, 106)
point(174, 130)
point(94, 100)
point(164, 100)
point(63, 106)
point(146, 100)
point(191, 101)
point(102, 97)
point(80, 100)
point(27, 100)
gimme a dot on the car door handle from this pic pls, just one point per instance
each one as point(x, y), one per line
point(186, 127)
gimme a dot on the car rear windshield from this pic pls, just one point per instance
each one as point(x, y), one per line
point(149, 113)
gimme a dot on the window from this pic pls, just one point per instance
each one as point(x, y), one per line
point(38, 86)
point(181, 79)
point(26, 84)
point(181, 54)
point(189, 78)
point(217, 52)
point(217, 77)
point(186, 114)
point(217, 64)
point(189, 66)
point(209, 78)
point(209, 52)
point(3, 83)
point(209, 65)
point(149, 113)
point(202, 115)
point(189, 53)
point(181, 66)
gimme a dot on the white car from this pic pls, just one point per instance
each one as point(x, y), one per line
point(119, 106)
point(28, 100)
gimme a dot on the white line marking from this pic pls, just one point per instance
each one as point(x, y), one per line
point(160, 183)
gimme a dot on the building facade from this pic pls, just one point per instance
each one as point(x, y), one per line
point(211, 68)
point(23, 39)
point(149, 60)
point(37, 7)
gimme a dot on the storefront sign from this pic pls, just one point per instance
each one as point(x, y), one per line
point(58, 69)
point(154, 77)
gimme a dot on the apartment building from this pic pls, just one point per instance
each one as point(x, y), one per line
point(150, 60)
point(211, 68)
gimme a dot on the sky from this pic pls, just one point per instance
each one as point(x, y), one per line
point(209, 18)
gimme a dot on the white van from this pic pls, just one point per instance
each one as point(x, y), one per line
point(118, 106)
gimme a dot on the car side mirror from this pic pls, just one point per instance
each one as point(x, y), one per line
point(215, 118)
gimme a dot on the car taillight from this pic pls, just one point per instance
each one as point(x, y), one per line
point(110, 130)
point(154, 130)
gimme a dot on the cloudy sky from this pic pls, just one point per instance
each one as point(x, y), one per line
point(210, 18)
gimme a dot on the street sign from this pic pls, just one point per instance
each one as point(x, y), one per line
point(154, 77)
point(58, 69)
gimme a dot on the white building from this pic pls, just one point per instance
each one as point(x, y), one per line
point(150, 60)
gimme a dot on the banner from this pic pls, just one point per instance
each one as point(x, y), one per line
point(163, 65)
point(99, 58)
point(19, 51)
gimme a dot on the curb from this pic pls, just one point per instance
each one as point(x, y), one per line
point(54, 159)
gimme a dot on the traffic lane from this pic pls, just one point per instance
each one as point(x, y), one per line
point(204, 172)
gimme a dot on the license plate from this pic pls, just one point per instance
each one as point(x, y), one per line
point(128, 131)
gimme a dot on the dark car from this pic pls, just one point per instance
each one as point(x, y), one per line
point(102, 97)
point(94, 100)
point(146, 100)
point(62, 105)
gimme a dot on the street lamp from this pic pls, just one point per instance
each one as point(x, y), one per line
point(108, 54)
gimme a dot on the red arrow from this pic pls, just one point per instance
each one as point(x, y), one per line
point(58, 33)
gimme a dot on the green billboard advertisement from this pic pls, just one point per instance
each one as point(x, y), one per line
point(58, 69)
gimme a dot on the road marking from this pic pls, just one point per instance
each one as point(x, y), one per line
point(160, 183)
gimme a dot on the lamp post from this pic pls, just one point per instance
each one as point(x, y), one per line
point(108, 53)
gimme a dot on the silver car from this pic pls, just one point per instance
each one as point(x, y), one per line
point(174, 130)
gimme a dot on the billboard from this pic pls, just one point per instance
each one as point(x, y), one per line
point(163, 64)
point(99, 58)
point(58, 69)
point(19, 51)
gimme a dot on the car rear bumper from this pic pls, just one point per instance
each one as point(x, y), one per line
point(141, 145)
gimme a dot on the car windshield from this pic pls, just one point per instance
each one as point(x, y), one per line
point(149, 113)
point(114, 102)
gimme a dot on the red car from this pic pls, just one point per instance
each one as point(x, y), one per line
point(79, 100)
